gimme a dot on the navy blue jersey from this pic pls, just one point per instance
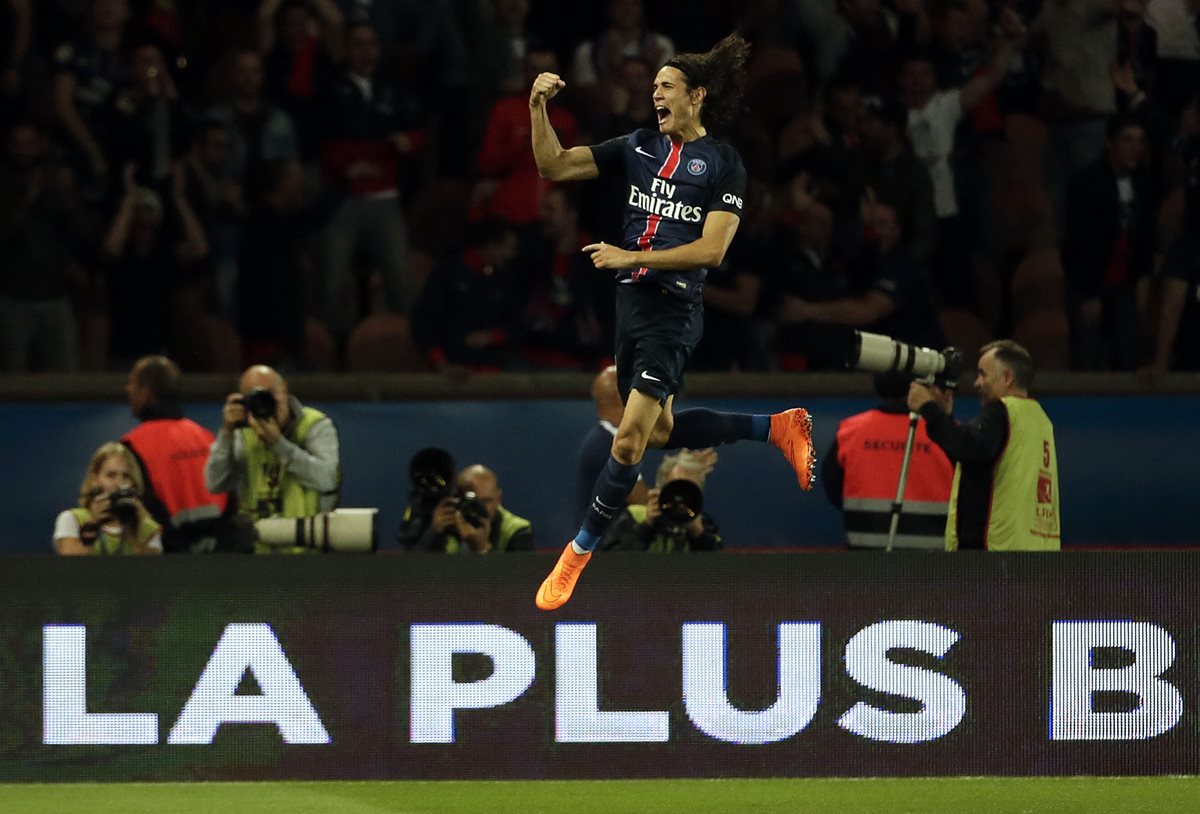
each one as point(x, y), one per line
point(672, 188)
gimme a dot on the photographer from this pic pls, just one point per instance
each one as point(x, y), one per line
point(672, 519)
point(279, 456)
point(110, 518)
point(1005, 492)
point(473, 520)
point(431, 475)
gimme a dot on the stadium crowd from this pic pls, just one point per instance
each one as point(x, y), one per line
point(348, 184)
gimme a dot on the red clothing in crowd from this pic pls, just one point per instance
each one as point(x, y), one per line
point(507, 157)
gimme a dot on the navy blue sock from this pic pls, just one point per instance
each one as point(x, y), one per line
point(612, 487)
point(699, 428)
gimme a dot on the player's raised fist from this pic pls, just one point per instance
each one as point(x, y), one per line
point(546, 86)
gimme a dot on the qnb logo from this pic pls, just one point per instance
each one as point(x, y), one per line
point(732, 199)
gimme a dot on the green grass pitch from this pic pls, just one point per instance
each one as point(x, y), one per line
point(1085, 795)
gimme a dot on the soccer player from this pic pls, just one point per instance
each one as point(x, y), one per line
point(682, 211)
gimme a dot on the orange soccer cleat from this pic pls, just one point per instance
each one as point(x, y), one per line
point(557, 588)
point(791, 431)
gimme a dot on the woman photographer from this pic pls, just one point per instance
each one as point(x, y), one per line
point(110, 518)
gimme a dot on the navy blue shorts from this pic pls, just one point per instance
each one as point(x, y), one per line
point(656, 333)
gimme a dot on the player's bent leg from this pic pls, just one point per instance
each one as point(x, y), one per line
point(613, 486)
point(790, 431)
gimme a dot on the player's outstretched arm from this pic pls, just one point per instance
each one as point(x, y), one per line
point(553, 162)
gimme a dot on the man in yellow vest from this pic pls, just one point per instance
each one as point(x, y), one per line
point(280, 457)
point(475, 521)
point(1005, 491)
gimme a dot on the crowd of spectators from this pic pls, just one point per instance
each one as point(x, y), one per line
point(349, 185)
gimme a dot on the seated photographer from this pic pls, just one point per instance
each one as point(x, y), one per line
point(431, 478)
point(110, 518)
point(280, 457)
point(473, 519)
point(672, 519)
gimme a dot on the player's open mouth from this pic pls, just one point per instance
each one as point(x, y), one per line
point(662, 113)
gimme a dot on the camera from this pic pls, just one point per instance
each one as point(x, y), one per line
point(431, 472)
point(472, 509)
point(882, 354)
point(679, 503)
point(260, 403)
point(123, 506)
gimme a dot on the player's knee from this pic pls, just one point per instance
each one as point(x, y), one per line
point(628, 447)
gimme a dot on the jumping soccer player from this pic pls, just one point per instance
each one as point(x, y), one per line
point(683, 209)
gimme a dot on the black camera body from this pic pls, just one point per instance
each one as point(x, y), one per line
point(431, 474)
point(472, 509)
point(679, 503)
point(123, 506)
point(260, 403)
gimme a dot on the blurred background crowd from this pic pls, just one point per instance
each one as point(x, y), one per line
point(347, 185)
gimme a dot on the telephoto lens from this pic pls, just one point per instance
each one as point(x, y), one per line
point(876, 353)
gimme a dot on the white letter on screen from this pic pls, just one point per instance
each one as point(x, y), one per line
point(65, 719)
point(944, 703)
point(1074, 680)
point(435, 695)
point(705, 695)
point(578, 718)
point(214, 701)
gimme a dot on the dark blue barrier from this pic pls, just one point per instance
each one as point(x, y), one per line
point(1127, 464)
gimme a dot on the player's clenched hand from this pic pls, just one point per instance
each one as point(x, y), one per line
point(605, 256)
point(546, 86)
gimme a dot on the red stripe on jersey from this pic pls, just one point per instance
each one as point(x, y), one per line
point(667, 170)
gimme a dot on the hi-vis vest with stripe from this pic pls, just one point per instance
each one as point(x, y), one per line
point(871, 450)
point(268, 490)
point(1024, 512)
point(173, 451)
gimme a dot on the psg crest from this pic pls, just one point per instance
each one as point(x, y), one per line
point(697, 166)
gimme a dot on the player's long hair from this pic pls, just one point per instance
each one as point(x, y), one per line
point(722, 71)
